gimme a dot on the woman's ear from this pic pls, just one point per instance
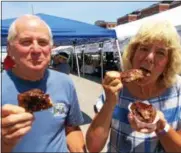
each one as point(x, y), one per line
point(133, 51)
point(131, 57)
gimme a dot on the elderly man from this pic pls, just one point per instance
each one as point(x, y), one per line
point(51, 130)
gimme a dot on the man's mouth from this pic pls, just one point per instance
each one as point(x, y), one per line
point(36, 62)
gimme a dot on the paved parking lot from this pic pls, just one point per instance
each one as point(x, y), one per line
point(88, 90)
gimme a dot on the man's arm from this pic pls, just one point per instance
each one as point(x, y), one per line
point(75, 139)
point(6, 148)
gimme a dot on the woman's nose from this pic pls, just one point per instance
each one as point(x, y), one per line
point(150, 57)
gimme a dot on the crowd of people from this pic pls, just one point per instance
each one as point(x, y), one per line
point(156, 48)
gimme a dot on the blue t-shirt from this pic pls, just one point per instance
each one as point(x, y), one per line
point(48, 129)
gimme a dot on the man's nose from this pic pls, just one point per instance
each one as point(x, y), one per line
point(36, 47)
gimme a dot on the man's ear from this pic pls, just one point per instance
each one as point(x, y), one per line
point(8, 48)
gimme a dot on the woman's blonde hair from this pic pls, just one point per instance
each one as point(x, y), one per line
point(161, 31)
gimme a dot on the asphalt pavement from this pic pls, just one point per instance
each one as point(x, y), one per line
point(88, 90)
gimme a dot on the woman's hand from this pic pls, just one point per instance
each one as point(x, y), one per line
point(112, 85)
point(159, 125)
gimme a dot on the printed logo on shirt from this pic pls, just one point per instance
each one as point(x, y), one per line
point(59, 109)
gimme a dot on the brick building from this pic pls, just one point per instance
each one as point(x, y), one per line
point(154, 9)
point(104, 24)
point(138, 14)
point(175, 4)
point(129, 17)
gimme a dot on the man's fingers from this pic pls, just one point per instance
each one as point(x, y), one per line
point(17, 134)
point(16, 118)
point(11, 109)
point(11, 129)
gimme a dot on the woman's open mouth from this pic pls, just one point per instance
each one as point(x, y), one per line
point(146, 72)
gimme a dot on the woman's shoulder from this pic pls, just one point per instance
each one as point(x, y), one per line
point(177, 85)
point(178, 81)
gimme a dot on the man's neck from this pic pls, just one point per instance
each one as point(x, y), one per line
point(30, 75)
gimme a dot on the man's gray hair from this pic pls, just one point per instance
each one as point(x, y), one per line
point(13, 32)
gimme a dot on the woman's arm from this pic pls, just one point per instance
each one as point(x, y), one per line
point(98, 131)
point(170, 140)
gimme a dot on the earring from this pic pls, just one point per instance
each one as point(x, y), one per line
point(8, 63)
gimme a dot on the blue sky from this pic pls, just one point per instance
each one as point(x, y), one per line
point(87, 12)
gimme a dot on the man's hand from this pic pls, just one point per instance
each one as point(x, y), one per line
point(15, 124)
point(112, 85)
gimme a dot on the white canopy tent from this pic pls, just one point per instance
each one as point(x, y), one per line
point(127, 30)
point(66, 49)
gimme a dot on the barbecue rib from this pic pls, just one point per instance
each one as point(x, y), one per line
point(132, 75)
point(34, 100)
point(144, 112)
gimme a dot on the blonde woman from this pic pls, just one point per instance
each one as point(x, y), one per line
point(157, 49)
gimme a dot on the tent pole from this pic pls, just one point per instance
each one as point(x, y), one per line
point(101, 65)
point(78, 71)
point(83, 64)
point(120, 58)
point(72, 63)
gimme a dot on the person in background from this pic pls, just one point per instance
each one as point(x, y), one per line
point(52, 130)
point(61, 63)
point(156, 48)
point(55, 61)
